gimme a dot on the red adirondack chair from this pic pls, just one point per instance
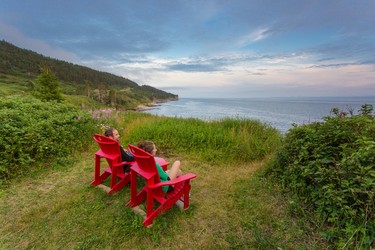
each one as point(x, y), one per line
point(110, 150)
point(152, 192)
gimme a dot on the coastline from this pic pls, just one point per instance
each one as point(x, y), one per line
point(142, 107)
point(155, 103)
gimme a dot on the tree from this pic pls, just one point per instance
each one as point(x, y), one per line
point(47, 86)
point(88, 87)
point(366, 109)
point(113, 96)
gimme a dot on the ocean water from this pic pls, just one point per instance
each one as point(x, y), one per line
point(279, 113)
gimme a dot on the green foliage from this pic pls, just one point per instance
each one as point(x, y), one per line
point(47, 87)
point(330, 166)
point(264, 215)
point(74, 79)
point(366, 109)
point(10, 85)
point(35, 132)
point(217, 141)
point(230, 208)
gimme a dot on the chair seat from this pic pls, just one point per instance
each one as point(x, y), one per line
point(120, 175)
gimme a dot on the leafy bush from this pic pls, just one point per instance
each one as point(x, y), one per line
point(330, 165)
point(35, 132)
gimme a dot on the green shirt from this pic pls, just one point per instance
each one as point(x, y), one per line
point(163, 176)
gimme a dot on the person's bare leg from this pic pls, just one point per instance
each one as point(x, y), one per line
point(175, 170)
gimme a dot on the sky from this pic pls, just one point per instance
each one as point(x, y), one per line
point(208, 48)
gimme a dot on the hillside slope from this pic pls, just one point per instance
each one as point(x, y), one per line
point(76, 80)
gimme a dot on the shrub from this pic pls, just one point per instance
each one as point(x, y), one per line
point(34, 132)
point(330, 166)
point(47, 87)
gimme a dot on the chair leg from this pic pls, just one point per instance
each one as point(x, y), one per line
point(151, 216)
point(119, 185)
point(100, 179)
point(113, 182)
point(97, 177)
point(186, 195)
point(135, 198)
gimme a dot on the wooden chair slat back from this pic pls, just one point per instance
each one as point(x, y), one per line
point(109, 148)
point(146, 162)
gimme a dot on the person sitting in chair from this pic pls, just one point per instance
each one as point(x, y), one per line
point(125, 156)
point(170, 174)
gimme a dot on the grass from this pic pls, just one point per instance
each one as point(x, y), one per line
point(10, 85)
point(232, 207)
point(22, 86)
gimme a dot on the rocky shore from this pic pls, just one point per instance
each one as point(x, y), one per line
point(153, 104)
point(142, 107)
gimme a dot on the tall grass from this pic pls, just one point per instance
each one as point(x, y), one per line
point(8, 86)
point(227, 140)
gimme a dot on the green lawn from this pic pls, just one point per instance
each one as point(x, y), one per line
point(231, 207)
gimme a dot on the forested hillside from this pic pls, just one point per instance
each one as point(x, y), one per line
point(75, 79)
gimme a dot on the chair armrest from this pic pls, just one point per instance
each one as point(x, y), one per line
point(123, 163)
point(179, 179)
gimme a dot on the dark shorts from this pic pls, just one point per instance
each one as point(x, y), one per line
point(126, 168)
point(170, 188)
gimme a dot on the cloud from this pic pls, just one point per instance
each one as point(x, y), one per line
point(194, 67)
point(230, 47)
point(254, 36)
point(336, 65)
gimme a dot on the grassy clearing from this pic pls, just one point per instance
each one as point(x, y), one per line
point(231, 207)
point(14, 85)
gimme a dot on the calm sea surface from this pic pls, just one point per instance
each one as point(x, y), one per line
point(279, 113)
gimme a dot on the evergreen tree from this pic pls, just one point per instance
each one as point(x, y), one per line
point(47, 86)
